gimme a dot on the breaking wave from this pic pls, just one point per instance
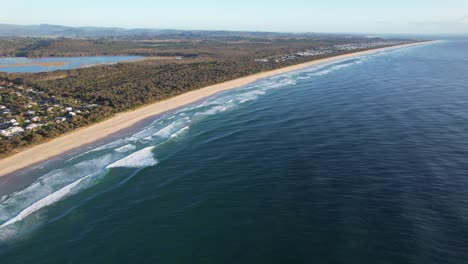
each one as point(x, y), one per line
point(46, 201)
point(126, 148)
point(139, 159)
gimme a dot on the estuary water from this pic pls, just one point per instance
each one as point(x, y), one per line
point(32, 65)
point(363, 160)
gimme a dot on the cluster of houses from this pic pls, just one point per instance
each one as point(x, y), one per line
point(365, 45)
point(25, 109)
point(321, 51)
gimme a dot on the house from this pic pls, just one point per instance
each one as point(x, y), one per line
point(12, 131)
point(31, 112)
point(72, 114)
point(6, 111)
point(36, 119)
point(2, 107)
point(69, 109)
point(60, 119)
point(33, 126)
point(13, 122)
point(91, 106)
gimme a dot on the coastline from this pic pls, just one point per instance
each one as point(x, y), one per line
point(88, 135)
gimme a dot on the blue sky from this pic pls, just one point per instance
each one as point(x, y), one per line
point(362, 16)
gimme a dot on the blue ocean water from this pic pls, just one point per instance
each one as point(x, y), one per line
point(13, 65)
point(357, 161)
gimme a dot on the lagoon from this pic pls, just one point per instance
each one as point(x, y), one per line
point(34, 65)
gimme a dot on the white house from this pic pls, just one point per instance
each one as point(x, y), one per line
point(60, 119)
point(33, 126)
point(12, 131)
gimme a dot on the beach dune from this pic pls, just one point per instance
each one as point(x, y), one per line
point(93, 133)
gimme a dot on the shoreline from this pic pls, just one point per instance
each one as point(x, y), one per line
point(125, 120)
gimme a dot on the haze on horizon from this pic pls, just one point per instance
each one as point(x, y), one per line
point(361, 16)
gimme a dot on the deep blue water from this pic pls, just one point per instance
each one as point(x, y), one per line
point(358, 161)
point(8, 64)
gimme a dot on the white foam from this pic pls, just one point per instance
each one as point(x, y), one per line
point(212, 111)
point(111, 145)
point(166, 131)
point(250, 96)
point(139, 159)
point(319, 73)
point(341, 66)
point(149, 138)
point(49, 184)
point(332, 69)
point(125, 148)
point(147, 132)
point(178, 133)
point(46, 201)
point(278, 84)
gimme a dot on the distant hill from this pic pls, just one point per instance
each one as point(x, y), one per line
point(45, 30)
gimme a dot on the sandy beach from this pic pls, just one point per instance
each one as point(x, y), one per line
point(99, 131)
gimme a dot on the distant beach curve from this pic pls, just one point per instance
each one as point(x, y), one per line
point(99, 131)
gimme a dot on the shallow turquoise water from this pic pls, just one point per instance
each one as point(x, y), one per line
point(6, 64)
point(358, 161)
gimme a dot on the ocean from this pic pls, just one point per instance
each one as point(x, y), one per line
point(363, 160)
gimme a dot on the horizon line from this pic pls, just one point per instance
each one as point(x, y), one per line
point(240, 31)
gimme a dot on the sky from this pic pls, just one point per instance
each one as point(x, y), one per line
point(352, 16)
